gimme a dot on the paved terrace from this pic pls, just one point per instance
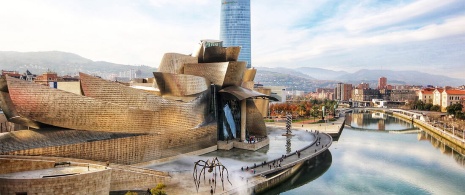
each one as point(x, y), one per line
point(332, 128)
point(261, 173)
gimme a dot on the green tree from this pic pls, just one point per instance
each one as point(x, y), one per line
point(159, 189)
point(428, 106)
point(454, 108)
point(436, 108)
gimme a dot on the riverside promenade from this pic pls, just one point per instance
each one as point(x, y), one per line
point(333, 128)
point(256, 177)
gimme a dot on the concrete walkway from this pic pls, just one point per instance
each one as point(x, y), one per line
point(321, 143)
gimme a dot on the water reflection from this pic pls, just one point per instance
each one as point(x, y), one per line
point(377, 121)
point(444, 148)
point(311, 170)
point(366, 162)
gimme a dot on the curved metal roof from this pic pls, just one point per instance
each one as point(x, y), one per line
point(241, 93)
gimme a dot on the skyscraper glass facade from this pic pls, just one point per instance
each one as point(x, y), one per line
point(235, 27)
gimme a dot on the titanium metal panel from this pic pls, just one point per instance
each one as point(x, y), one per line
point(232, 53)
point(263, 104)
point(174, 63)
point(180, 84)
point(172, 115)
point(222, 74)
point(68, 110)
point(214, 54)
point(249, 75)
point(255, 124)
point(239, 93)
point(214, 72)
point(9, 109)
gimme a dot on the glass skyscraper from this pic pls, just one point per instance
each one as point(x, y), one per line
point(235, 27)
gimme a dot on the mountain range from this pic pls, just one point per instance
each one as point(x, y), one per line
point(303, 78)
point(64, 63)
point(367, 76)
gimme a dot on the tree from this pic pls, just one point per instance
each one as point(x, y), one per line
point(436, 108)
point(428, 106)
point(159, 189)
point(454, 109)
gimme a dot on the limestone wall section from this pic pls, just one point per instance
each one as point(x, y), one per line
point(97, 182)
point(131, 150)
point(9, 165)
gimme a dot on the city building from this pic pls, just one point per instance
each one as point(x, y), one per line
point(365, 94)
point(382, 83)
point(437, 96)
point(426, 95)
point(235, 27)
point(451, 96)
point(10, 73)
point(403, 96)
point(343, 92)
point(46, 78)
point(278, 92)
point(363, 86)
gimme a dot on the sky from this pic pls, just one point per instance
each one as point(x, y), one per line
point(422, 35)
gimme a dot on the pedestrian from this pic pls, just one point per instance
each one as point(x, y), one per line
point(148, 191)
point(242, 168)
point(213, 180)
point(211, 189)
point(247, 168)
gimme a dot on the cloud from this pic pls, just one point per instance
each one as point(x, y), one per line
point(284, 33)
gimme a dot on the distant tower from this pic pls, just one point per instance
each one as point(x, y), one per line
point(235, 27)
point(382, 83)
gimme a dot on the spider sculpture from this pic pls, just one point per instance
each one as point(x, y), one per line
point(212, 167)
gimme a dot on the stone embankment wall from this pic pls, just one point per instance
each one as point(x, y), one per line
point(277, 179)
point(452, 141)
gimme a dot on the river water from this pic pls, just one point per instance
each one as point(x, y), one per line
point(380, 154)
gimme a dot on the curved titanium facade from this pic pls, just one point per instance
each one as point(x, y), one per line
point(174, 63)
point(235, 27)
point(223, 74)
point(180, 84)
point(9, 108)
point(170, 114)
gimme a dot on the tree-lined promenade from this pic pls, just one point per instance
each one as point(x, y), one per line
point(303, 109)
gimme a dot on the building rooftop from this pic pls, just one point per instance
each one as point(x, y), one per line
point(455, 92)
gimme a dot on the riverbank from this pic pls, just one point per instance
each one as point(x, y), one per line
point(456, 143)
point(333, 128)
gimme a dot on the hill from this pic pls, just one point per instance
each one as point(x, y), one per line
point(320, 73)
point(66, 64)
point(400, 77)
point(292, 80)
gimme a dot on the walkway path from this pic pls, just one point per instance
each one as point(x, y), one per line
point(321, 143)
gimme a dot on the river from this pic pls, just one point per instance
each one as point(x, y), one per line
point(380, 154)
